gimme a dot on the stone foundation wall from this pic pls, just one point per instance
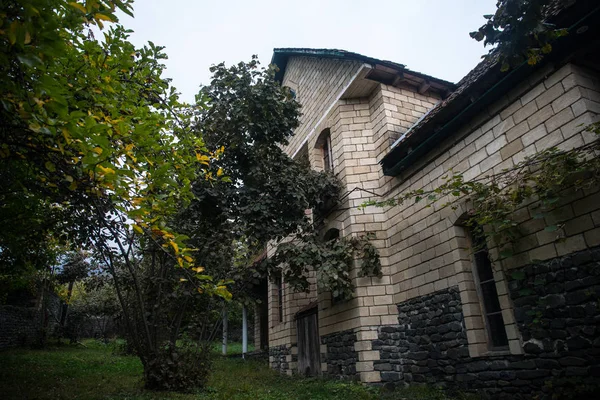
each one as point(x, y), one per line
point(279, 358)
point(557, 311)
point(18, 326)
point(341, 356)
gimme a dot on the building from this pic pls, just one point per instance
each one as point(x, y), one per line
point(438, 314)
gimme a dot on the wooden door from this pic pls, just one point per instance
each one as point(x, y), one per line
point(309, 349)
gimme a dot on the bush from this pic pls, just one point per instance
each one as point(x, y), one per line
point(183, 368)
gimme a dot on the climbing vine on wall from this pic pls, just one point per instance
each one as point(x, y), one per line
point(542, 181)
point(331, 260)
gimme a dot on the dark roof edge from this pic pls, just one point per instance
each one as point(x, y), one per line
point(281, 56)
point(459, 107)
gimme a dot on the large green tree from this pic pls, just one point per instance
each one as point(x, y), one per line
point(96, 140)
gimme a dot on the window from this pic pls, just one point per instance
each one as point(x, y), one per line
point(488, 295)
point(327, 156)
point(324, 145)
point(279, 284)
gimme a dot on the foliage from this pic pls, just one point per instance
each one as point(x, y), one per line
point(332, 260)
point(93, 305)
point(267, 194)
point(541, 182)
point(520, 31)
point(93, 133)
point(179, 369)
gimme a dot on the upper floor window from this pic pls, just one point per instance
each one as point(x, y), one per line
point(488, 294)
point(324, 143)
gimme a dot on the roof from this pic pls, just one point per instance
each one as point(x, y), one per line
point(472, 94)
point(282, 55)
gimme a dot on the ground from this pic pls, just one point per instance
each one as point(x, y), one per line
point(97, 372)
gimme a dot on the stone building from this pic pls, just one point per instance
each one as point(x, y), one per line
point(439, 314)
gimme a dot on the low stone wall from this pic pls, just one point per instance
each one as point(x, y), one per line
point(278, 358)
point(557, 311)
point(341, 357)
point(18, 326)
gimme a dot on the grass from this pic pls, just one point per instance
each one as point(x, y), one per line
point(96, 372)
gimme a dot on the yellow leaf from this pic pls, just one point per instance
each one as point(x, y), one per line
point(223, 292)
point(188, 259)
point(78, 6)
point(182, 280)
point(180, 261)
point(138, 229)
point(27, 38)
point(97, 150)
point(198, 269)
point(66, 135)
point(175, 247)
point(103, 17)
point(129, 147)
point(220, 172)
point(202, 158)
point(106, 170)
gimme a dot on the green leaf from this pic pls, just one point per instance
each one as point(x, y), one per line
point(31, 60)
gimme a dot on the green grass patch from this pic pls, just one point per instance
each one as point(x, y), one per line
point(96, 371)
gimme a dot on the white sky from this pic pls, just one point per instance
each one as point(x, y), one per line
point(429, 36)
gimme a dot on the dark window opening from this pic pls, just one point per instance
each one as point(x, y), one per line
point(324, 144)
point(279, 284)
point(327, 156)
point(484, 277)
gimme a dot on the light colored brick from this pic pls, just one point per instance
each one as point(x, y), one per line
point(517, 131)
point(496, 145)
point(511, 149)
point(540, 116)
point(525, 112)
point(571, 245)
point(559, 119)
point(566, 99)
point(534, 134)
point(549, 95)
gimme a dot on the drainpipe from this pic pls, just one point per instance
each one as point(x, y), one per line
point(244, 331)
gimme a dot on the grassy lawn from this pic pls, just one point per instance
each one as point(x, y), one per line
point(95, 372)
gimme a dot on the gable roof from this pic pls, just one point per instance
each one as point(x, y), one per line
point(282, 55)
point(478, 89)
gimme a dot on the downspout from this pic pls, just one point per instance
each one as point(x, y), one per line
point(401, 164)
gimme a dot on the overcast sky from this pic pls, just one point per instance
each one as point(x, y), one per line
point(429, 36)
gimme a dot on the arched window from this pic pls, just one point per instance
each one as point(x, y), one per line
point(483, 275)
point(324, 144)
point(331, 234)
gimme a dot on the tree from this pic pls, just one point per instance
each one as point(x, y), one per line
point(520, 31)
point(265, 198)
point(93, 132)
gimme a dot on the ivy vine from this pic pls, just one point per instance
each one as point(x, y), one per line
point(331, 260)
point(543, 181)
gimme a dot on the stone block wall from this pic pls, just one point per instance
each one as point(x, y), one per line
point(280, 358)
point(19, 326)
point(340, 355)
point(426, 250)
point(556, 305)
